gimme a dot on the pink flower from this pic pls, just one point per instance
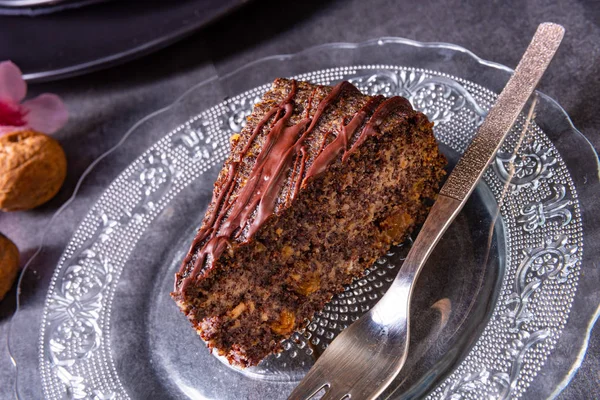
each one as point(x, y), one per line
point(46, 113)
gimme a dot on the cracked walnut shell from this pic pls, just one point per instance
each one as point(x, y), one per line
point(9, 264)
point(32, 169)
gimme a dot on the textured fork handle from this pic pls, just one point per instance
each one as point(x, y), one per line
point(471, 167)
point(483, 148)
point(504, 112)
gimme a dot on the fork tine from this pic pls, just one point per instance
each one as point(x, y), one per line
point(334, 393)
point(306, 390)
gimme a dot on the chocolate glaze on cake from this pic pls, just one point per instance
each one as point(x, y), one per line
point(319, 183)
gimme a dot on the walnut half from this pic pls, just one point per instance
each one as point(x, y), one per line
point(9, 264)
point(33, 167)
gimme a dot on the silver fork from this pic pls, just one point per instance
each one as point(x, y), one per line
point(364, 359)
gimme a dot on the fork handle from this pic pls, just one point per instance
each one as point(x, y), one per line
point(480, 153)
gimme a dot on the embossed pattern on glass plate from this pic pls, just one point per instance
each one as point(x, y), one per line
point(541, 216)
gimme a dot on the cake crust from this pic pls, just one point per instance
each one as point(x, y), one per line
point(319, 183)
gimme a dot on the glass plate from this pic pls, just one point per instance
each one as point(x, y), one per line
point(500, 311)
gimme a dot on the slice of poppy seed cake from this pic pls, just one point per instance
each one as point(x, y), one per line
point(319, 184)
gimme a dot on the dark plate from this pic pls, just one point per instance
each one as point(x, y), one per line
point(76, 41)
point(33, 8)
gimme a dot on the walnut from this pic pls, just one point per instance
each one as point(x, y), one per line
point(285, 324)
point(287, 252)
point(238, 310)
point(9, 264)
point(32, 169)
point(305, 285)
point(395, 226)
point(311, 284)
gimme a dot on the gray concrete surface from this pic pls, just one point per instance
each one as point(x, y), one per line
point(105, 104)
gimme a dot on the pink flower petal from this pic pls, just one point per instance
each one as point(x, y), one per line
point(12, 86)
point(5, 130)
point(46, 113)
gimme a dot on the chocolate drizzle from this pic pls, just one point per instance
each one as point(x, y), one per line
point(328, 154)
point(393, 104)
point(284, 145)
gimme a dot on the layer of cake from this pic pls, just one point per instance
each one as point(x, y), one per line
point(320, 183)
